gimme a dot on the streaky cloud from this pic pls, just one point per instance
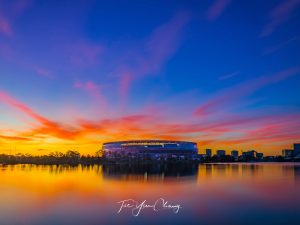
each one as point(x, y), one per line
point(94, 90)
point(279, 15)
point(216, 9)
point(154, 52)
point(237, 92)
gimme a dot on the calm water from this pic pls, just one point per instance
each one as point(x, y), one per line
point(208, 194)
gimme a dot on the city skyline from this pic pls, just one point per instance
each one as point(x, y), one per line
point(222, 73)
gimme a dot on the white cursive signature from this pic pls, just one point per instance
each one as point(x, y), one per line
point(137, 207)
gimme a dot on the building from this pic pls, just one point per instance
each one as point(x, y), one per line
point(287, 153)
point(208, 152)
point(153, 149)
point(235, 153)
point(221, 153)
point(259, 155)
point(250, 154)
point(296, 149)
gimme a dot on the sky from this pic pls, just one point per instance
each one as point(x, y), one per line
point(222, 73)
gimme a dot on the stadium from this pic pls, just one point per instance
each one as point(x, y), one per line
point(153, 149)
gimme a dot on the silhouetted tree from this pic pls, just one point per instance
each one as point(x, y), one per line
point(73, 157)
point(99, 153)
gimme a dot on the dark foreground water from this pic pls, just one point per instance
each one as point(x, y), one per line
point(207, 194)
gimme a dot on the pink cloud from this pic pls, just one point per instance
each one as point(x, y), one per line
point(85, 54)
point(21, 5)
point(153, 53)
point(9, 100)
point(274, 129)
point(216, 9)
point(125, 82)
point(5, 27)
point(279, 15)
point(136, 125)
point(242, 129)
point(235, 93)
point(163, 43)
point(10, 12)
point(10, 54)
point(45, 127)
point(43, 72)
point(252, 131)
point(93, 89)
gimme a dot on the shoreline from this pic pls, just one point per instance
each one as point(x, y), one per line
point(147, 163)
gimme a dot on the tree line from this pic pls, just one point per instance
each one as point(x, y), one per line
point(70, 157)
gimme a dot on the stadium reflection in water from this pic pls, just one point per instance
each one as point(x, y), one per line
point(209, 194)
point(150, 171)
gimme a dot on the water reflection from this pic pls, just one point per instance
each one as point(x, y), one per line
point(266, 193)
point(296, 173)
point(150, 171)
point(267, 171)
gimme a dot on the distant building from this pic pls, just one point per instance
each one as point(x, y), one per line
point(235, 153)
point(208, 152)
point(249, 154)
point(296, 149)
point(287, 153)
point(252, 154)
point(259, 155)
point(220, 153)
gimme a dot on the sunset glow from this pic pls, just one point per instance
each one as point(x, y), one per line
point(76, 74)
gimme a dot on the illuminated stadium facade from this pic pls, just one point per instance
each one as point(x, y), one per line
point(153, 149)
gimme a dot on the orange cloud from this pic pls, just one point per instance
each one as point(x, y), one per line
point(230, 130)
point(7, 99)
point(14, 138)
